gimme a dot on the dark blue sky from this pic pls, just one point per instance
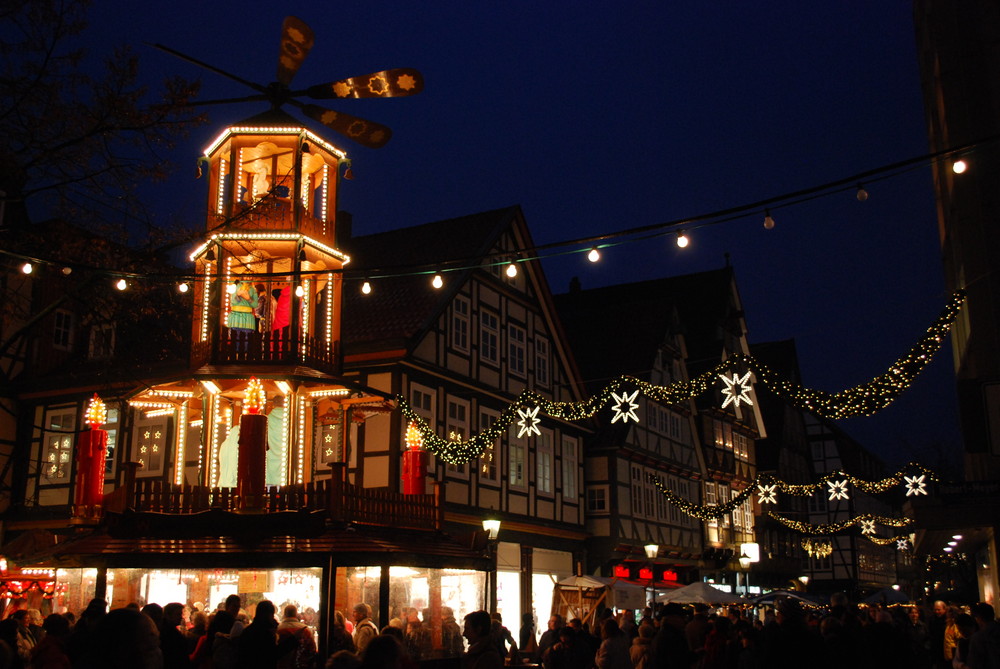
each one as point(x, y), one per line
point(597, 118)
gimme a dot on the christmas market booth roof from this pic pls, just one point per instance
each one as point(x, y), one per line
point(223, 539)
point(700, 593)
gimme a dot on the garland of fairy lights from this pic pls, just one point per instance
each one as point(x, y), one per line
point(767, 487)
point(621, 394)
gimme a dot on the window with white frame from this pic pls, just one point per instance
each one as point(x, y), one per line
point(489, 460)
point(489, 337)
point(460, 324)
point(150, 444)
point(675, 426)
point(569, 465)
point(673, 512)
point(102, 341)
point(515, 349)
point(724, 499)
point(457, 428)
point(710, 498)
point(60, 431)
point(516, 461)
point(62, 330)
point(636, 490)
point(541, 361)
point(648, 496)
point(111, 426)
point(597, 499)
point(422, 402)
point(741, 446)
point(543, 463)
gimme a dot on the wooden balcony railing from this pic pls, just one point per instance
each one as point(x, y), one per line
point(343, 501)
point(276, 214)
point(275, 347)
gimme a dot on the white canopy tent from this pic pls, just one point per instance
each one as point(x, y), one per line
point(700, 593)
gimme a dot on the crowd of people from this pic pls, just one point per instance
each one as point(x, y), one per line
point(787, 636)
point(670, 637)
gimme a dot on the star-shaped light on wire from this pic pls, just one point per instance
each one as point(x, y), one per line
point(915, 485)
point(868, 527)
point(838, 489)
point(767, 494)
point(902, 544)
point(628, 413)
point(528, 423)
point(737, 389)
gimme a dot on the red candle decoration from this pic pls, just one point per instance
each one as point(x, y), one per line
point(414, 462)
point(91, 452)
point(251, 465)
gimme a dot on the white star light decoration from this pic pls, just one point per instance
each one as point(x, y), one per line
point(627, 414)
point(902, 544)
point(528, 423)
point(737, 389)
point(915, 485)
point(766, 494)
point(838, 489)
point(867, 527)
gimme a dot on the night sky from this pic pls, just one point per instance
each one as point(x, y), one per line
point(598, 118)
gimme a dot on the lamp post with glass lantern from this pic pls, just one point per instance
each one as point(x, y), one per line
point(492, 528)
point(652, 550)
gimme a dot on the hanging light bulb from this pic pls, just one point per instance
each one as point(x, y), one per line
point(862, 193)
point(594, 255)
point(959, 166)
point(768, 221)
point(437, 281)
point(231, 289)
point(299, 291)
point(182, 287)
point(366, 288)
point(27, 268)
point(512, 269)
point(122, 284)
point(682, 240)
point(67, 271)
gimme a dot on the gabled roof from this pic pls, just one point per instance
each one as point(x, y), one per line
point(399, 309)
point(618, 329)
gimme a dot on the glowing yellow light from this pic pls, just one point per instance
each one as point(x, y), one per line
point(366, 288)
point(122, 284)
point(959, 166)
point(512, 270)
point(437, 281)
point(183, 287)
point(255, 398)
point(682, 240)
point(97, 413)
point(27, 268)
point(594, 255)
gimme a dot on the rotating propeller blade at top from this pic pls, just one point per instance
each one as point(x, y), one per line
point(297, 40)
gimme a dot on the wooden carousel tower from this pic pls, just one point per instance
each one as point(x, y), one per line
point(267, 303)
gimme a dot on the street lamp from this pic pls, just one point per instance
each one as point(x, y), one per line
point(652, 550)
point(492, 528)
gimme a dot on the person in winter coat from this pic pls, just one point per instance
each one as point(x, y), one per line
point(639, 652)
point(613, 653)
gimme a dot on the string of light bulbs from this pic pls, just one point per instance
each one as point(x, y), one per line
point(590, 245)
point(622, 394)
